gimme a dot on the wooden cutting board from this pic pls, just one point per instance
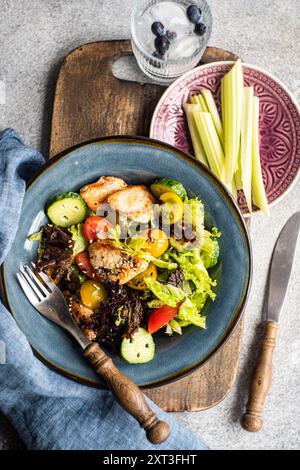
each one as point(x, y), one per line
point(89, 103)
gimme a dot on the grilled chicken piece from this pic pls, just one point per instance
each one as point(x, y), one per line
point(82, 316)
point(89, 333)
point(112, 264)
point(96, 193)
point(134, 202)
point(80, 313)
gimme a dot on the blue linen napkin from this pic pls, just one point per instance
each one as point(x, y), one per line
point(50, 411)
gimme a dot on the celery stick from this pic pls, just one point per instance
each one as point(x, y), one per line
point(259, 193)
point(240, 88)
point(201, 101)
point(222, 107)
point(240, 81)
point(238, 179)
point(246, 143)
point(195, 137)
point(232, 84)
point(229, 123)
point(193, 99)
point(211, 143)
point(238, 174)
point(212, 108)
point(233, 189)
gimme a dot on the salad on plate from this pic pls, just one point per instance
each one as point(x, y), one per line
point(131, 260)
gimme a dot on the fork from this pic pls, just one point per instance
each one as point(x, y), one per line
point(48, 300)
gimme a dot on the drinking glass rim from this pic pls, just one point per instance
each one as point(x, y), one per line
point(170, 61)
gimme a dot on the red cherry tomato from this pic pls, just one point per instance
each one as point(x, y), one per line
point(95, 228)
point(160, 317)
point(83, 262)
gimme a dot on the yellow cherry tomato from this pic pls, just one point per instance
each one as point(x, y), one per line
point(138, 282)
point(92, 294)
point(157, 242)
point(172, 207)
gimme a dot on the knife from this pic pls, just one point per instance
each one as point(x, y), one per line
point(280, 272)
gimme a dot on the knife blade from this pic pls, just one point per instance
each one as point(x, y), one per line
point(281, 266)
point(279, 276)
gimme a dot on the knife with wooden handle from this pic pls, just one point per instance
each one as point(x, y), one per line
point(280, 271)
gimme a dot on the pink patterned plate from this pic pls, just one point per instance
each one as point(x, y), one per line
point(279, 123)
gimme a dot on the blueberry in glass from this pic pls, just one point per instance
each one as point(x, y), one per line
point(161, 44)
point(158, 29)
point(194, 13)
point(171, 35)
point(157, 55)
point(200, 29)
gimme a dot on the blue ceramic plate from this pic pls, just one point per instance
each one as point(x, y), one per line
point(137, 160)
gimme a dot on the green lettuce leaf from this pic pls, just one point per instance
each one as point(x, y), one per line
point(198, 299)
point(194, 215)
point(173, 327)
point(135, 246)
point(169, 265)
point(155, 303)
point(182, 323)
point(80, 243)
point(163, 276)
point(36, 236)
point(168, 294)
point(188, 312)
point(210, 249)
point(132, 246)
point(194, 270)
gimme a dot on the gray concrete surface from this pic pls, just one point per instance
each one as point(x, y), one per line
point(35, 36)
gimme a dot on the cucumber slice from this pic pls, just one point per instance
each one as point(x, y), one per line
point(139, 349)
point(67, 209)
point(163, 185)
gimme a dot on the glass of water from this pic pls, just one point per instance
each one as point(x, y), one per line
point(184, 46)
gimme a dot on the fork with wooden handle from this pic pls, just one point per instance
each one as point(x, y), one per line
point(48, 300)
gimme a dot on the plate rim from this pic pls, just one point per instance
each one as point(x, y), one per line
point(253, 67)
point(132, 139)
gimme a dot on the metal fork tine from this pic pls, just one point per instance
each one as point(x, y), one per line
point(40, 285)
point(30, 282)
point(46, 280)
point(30, 294)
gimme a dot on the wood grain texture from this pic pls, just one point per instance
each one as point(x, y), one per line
point(130, 397)
point(252, 420)
point(89, 103)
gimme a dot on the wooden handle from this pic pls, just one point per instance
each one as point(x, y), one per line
point(128, 395)
point(252, 420)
